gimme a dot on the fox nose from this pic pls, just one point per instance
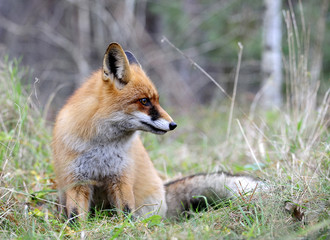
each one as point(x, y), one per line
point(172, 125)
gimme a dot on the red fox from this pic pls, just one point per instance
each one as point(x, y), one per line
point(99, 159)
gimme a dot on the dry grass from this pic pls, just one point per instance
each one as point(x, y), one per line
point(288, 148)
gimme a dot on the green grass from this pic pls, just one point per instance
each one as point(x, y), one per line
point(291, 146)
point(288, 148)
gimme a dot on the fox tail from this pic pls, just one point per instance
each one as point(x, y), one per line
point(196, 191)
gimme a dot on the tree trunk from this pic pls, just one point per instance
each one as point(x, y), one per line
point(271, 65)
point(84, 30)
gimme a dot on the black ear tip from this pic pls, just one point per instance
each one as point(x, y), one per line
point(173, 125)
point(114, 44)
point(113, 47)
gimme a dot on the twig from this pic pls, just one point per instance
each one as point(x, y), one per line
point(57, 39)
point(36, 81)
point(239, 192)
point(247, 142)
point(254, 190)
point(164, 39)
point(235, 88)
point(243, 192)
point(30, 195)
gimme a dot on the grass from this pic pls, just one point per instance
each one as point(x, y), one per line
point(288, 148)
point(293, 155)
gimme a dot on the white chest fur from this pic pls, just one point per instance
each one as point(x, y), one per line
point(106, 155)
point(101, 161)
point(102, 158)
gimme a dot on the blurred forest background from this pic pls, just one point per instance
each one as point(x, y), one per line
point(63, 41)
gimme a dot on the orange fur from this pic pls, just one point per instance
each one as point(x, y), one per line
point(77, 126)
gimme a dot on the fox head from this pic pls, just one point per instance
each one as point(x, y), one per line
point(130, 99)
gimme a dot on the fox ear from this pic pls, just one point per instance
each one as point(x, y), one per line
point(116, 66)
point(131, 58)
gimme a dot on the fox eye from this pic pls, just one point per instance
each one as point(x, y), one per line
point(145, 101)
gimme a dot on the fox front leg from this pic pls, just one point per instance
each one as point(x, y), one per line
point(121, 195)
point(78, 200)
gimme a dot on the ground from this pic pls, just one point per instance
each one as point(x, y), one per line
point(288, 149)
